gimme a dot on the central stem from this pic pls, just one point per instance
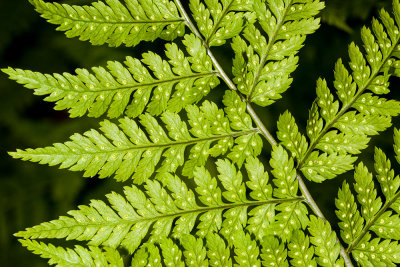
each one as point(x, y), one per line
point(303, 188)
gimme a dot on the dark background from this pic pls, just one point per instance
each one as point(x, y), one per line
point(31, 193)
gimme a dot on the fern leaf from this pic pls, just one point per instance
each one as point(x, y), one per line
point(273, 252)
point(318, 168)
point(351, 223)
point(158, 84)
point(366, 193)
point(147, 255)
point(219, 21)
point(127, 151)
point(290, 137)
point(217, 252)
point(300, 250)
point(324, 239)
point(246, 250)
point(171, 253)
point(293, 215)
point(115, 23)
point(378, 217)
point(170, 208)
point(262, 68)
point(195, 253)
point(79, 256)
point(376, 253)
point(340, 128)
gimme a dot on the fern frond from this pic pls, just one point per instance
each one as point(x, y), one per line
point(218, 253)
point(147, 255)
point(340, 128)
point(378, 217)
point(170, 208)
point(195, 252)
point(158, 84)
point(324, 239)
point(219, 21)
point(300, 250)
point(292, 215)
point(134, 150)
point(265, 60)
point(274, 252)
point(115, 23)
point(78, 256)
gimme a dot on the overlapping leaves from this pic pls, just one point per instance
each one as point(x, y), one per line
point(115, 23)
point(378, 217)
point(338, 129)
point(159, 84)
point(168, 208)
point(169, 223)
point(134, 149)
point(219, 21)
point(264, 60)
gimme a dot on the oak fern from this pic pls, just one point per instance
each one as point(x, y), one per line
point(201, 193)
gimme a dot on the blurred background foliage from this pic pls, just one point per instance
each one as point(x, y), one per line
point(31, 194)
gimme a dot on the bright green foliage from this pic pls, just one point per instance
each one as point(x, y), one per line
point(240, 213)
point(79, 256)
point(378, 217)
point(220, 20)
point(127, 220)
point(273, 252)
point(300, 251)
point(246, 250)
point(293, 215)
point(324, 240)
point(115, 23)
point(147, 255)
point(159, 84)
point(337, 129)
point(127, 151)
point(195, 253)
point(264, 60)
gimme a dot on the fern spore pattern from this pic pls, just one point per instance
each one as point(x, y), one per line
point(200, 192)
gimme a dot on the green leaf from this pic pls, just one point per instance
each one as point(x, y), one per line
point(300, 250)
point(246, 250)
point(146, 255)
point(79, 256)
point(166, 209)
point(351, 223)
point(115, 23)
point(127, 151)
point(318, 168)
point(154, 83)
point(217, 251)
point(377, 253)
point(366, 193)
point(264, 60)
point(273, 252)
point(341, 128)
point(290, 137)
point(171, 253)
point(195, 253)
point(324, 239)
point(219, 21)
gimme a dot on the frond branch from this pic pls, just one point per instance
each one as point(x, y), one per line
point(268, 50)
point(158, 145)
point(349, 105)
point(372, 222)
point(173, 215)
point(216, 24)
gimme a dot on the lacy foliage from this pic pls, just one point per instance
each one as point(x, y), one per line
point(178, 210)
